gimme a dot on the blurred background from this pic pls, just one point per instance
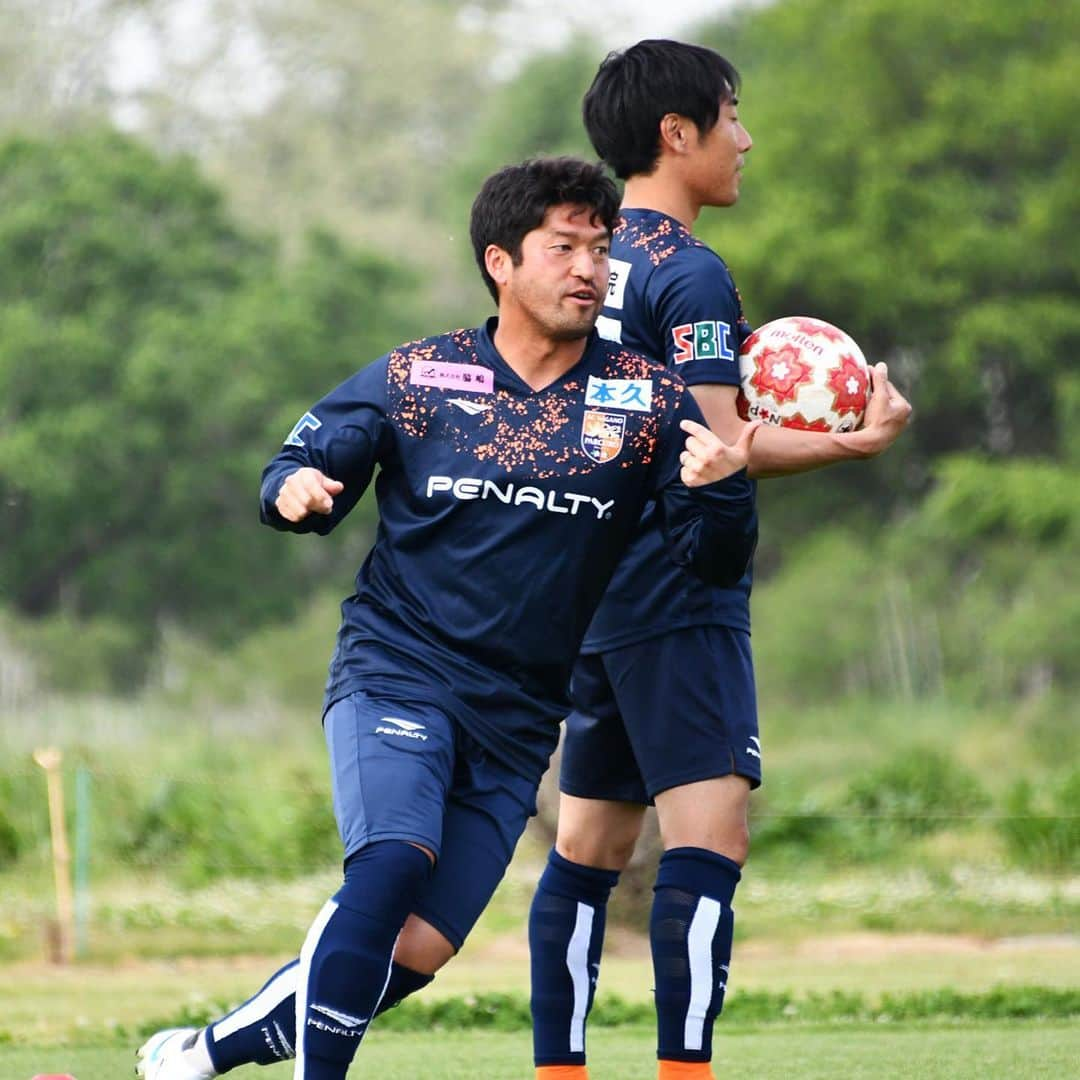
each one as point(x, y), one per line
point(212, 211)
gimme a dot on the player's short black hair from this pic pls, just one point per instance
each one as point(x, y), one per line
point(515, 200)
point(635, 88)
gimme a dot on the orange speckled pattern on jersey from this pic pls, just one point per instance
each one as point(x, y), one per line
point(530, 433)
point(660, 239)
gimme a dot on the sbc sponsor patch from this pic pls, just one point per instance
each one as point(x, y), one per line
point(706, 340)
point(602, 434)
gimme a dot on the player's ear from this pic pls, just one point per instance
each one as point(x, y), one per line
point(498, 263)
point(673, 133)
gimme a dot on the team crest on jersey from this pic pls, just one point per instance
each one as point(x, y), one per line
point(602, 435)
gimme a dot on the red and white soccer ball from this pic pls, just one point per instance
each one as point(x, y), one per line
point(805, 373)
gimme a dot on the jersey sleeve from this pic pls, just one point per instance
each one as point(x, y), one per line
point(343, 436)
point(710, 530)
point(699, 315)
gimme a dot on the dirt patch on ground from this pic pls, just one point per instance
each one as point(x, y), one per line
point(834, 947)
point(514, 947)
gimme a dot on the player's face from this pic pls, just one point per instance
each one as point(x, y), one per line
point(560, 282)
point(720, 156)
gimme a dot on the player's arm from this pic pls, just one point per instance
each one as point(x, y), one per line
point(779, 451)
point(706, 500)
point(328, 459)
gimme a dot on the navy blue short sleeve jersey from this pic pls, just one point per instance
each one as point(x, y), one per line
point(503, 511)
point(671, 297)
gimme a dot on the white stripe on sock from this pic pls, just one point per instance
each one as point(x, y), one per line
point(389, 972)
point(699, 941)
point(577, 963)
point(303, 972)
point(259, 1007)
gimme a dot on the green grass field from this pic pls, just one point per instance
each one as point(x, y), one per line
point(1018, 1051)
point(908, 910)
point(84, 1020)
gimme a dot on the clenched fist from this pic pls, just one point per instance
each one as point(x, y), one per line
point(306, 491)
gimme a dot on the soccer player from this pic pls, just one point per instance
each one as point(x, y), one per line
point(664, 690)
point(514, 463)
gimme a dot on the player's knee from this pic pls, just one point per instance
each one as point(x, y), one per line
point(738, 844)
point(727, 836)
point(599, 850)
point(421, 947)
point(598, 832)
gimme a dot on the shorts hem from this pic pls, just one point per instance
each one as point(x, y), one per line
point(453, 936)
point(408, 838)
point(638, 797)
point(698, 775)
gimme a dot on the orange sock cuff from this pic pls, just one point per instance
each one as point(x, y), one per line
point(562, 1072)
point(684, 1070)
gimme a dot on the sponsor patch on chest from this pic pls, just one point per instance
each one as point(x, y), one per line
point(480, 380)
point(632, 394)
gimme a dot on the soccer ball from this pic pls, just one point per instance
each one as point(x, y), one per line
point(804, 373)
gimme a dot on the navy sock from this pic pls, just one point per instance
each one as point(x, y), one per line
point(346, 959)
point(403, 982)
point(263, 1029)
point(566, 935)
point(690, 931)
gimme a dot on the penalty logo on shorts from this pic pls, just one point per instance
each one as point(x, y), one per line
point(602, 435)
point(403, 729)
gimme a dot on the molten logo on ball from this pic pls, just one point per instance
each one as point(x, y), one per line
point(801, 372)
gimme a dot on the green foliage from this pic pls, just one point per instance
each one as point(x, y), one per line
point(976, 499)
point(924, 201)
point(201, 815)
point(9, 840)
point(815, 619)
point(793, 834)
point(537, 113)
point(212, 828)
point(510, 1012)
point(1042, 828)
point(913, 180)
point(94, 655)
point(920, 792)
point(24, 822)
point(152, 356)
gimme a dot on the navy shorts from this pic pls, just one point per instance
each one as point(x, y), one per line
point(661, 713)
point(410, 772)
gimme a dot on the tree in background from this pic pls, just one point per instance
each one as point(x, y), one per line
point(152, 355)
point(329, 114)
point(912, 180)
point(915, 181)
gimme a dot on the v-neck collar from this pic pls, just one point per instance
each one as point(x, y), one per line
point(491, 355)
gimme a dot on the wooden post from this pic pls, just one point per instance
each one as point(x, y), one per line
point(49, 758)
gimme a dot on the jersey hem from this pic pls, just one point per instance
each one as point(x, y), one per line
point(620, 641)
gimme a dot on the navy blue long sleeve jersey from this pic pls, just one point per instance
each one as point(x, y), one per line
point(503, 511)
point(672, 298)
